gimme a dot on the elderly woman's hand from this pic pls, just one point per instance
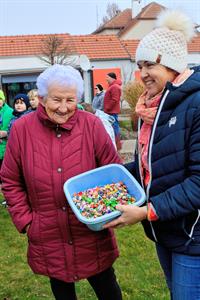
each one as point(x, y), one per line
point(130, 215)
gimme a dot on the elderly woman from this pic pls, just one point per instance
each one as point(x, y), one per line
point(168, 164)
point(45, 149)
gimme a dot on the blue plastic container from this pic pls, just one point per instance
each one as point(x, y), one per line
point(99, 177)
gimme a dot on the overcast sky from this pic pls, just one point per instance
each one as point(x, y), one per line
point(69, 16)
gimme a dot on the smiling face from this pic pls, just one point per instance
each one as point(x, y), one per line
point(155, 76)
point(60, 103)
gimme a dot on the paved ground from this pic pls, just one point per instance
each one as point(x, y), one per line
point(128, 146)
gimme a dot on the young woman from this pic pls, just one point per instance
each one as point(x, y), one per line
point(168, 161)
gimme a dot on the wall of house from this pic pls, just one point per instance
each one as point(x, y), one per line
point(109, 32)
point(126, 66)
point(21, 72)
point(24, 70)
point(20, 64)
point(139, 30)
point(194, 59)
point(124, 69)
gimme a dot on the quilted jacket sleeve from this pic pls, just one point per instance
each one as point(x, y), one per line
point(104, 149)
point(183, 198)
point(13, 184)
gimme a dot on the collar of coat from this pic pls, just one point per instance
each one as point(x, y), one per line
point(44, 118)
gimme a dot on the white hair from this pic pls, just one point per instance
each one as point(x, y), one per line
point(62, 75)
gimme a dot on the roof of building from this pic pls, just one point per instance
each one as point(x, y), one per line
point(100, 47)
point(25, 44)
point(131, 46)
point(124, 21)
point(194, 45)
point(117, 22)
point(94, 46)
point(150, 11)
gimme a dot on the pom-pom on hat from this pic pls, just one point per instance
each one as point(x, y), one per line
point(167, 43)
point(2, 96)
point(112, 75)
point(22, 97)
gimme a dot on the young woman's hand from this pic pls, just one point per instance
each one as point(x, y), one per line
point(130, 215)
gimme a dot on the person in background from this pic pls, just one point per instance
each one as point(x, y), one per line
point(112, 103)
point(168, 164)
point(5, 117)
point(33, 98)
point(79, 106)
point(21, 107)
point(98, 100)
point(106, 119)
point(45, 148)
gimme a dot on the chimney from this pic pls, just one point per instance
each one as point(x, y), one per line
point(136, 8)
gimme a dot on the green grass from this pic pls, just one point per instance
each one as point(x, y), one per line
point(137, 269)
point(126, 131)
point(125, 124)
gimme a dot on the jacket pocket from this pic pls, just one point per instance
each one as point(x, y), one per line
point(33, 231)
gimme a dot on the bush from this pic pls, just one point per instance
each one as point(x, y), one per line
point(131, 93)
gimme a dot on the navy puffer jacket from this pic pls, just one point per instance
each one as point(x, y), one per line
point(174, 159)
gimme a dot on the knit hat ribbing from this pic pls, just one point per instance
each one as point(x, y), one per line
point(24, 98)
point(112, 75)
point(167, 44)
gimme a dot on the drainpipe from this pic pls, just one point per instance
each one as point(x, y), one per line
point(87, 85)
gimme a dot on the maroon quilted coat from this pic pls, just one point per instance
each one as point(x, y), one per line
point(40, 157)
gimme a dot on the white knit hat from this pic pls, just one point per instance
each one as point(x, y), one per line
point(167, 44)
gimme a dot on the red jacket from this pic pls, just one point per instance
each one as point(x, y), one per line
point(38, 160)
point(112, 98)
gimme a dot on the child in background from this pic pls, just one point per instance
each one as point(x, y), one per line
point(21, 105)
point(33, 99)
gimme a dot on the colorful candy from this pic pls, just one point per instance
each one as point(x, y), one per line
point(101, 200)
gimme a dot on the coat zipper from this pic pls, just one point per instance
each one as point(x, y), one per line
point(139, 155)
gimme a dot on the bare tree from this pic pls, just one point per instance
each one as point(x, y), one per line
point(55, 50)
point(111, 11)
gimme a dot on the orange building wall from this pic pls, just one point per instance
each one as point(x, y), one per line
point(137, 75)
point(99, 76)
